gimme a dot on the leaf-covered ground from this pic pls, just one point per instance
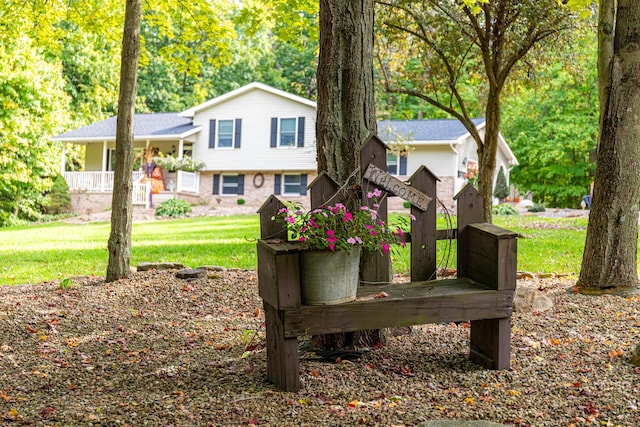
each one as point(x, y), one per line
point(160, 351)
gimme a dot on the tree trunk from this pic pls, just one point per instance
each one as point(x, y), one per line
point(346, 105)
point(346, 111)
point(121, 215)
point(487, 151)
point(610, 254)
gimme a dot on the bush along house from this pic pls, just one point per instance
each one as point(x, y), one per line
point(247, 144)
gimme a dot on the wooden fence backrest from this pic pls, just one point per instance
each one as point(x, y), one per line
point(374, 267)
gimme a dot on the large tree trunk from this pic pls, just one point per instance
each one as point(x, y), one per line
point(346, 110)
point(610, 254)
point(121, 216)
point(346, 104)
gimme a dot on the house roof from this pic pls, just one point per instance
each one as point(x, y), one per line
point(145, 126)
point(425, 130)
point(243, 90)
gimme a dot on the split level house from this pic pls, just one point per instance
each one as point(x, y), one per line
point(256, 141)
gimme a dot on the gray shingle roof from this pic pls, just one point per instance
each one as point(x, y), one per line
point(424, 130)
point(153, 124)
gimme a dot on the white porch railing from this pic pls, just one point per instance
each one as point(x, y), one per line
point(141, 192)
point(93, 181)
point(188, 182)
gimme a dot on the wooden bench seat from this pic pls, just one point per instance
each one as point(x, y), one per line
point(484, 297)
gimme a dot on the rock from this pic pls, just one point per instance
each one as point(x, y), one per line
point(191, 273)
point(525, 275)
point(635, 357)
point(213, 268)
point(146, 266)
point(527, 300)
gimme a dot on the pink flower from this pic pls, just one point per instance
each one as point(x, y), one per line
point(351, 241)
point(412, 217)
point(331, 233)
point(302, 239)
point(282, 211)
point(385, 248)
point(359, 240)
point(290, 219)
point(377, 192)
point(348, 216)
point(364, 208)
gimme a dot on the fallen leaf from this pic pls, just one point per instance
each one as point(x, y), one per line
point(382, 295)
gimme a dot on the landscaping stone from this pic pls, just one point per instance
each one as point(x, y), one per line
point(146, 266)
point(191, 273)
point(528, 300)
point(213, 268)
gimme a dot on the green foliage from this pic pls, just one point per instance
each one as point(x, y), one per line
point(537, 207)
point(552, 129)
point(241, 201)
point(173, 208)
point(57, 201)
point(505, 209)
point(33, 108)
point(501, 191)
point(66, 283)
point(172, 164)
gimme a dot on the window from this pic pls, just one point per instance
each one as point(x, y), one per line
point(228, 184)
point(392, 163)
point(287, 133)
point(291, 185)
point(225, 133)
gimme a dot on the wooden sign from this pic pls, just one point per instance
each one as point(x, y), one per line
point(396, 187)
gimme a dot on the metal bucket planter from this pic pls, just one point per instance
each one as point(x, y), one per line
point(329, 277)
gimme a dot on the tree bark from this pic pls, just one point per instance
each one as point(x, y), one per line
point(346, 116)
point(346, 105)
point(610, 254)
point(121, 210)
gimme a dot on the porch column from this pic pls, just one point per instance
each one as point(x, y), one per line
point(180, 148)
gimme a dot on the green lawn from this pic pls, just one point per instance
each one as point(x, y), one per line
point(31, 254)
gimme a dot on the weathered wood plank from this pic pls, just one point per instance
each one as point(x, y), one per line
point(279, 274)
point(469, 203)
point(491, 343)
point(491, 256)
point(397, 188)
point(423, 228)
point(283, 361)
point(270, 229)
point(390, 312)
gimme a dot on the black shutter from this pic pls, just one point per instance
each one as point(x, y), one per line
point(403, 165)
point(216, 184)
point(240, 184)
point(238, 136)
point(212, 134)
point(278, 179)
point(300, 131)
point(274, 132)
point(303, 184)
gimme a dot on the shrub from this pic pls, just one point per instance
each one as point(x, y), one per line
point(172, 164)
point(57, 201)
point(501, 191)
point(406, 204)
point(504, 209)
point(173, 208)
point(241, 201)
point(537, 207)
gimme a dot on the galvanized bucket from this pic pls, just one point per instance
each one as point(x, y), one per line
point(329, 277)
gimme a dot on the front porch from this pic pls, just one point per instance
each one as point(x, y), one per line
point(92, 190)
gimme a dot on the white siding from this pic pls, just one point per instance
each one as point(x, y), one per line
point(256, 108)
point(438, 158)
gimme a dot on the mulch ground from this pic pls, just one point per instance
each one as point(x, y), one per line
point(156, 350)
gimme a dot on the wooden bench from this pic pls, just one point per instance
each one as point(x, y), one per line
point(482, 292)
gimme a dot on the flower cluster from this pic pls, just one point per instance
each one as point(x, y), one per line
point(336, 228)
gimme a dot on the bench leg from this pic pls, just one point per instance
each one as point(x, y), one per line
point(491, 343)
point(283, 362)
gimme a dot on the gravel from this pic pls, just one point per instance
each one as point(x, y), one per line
point(161, 351)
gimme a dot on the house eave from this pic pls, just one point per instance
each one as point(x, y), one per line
point(136, 138)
